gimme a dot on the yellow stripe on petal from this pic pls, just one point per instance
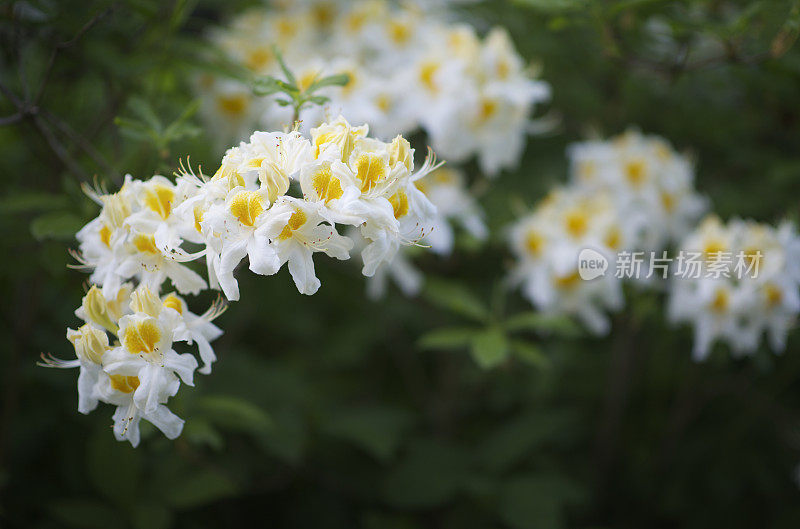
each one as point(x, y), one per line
point(159, 198)
point(327, 186)
point(141, 337)
point(247, 206)
point(297, 219)
point(145, 243)
point(370, 171)
point(124, 384)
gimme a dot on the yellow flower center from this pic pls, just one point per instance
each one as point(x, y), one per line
point(297, 219)
point(141, 337)
point(198, 218)
point(286, 28)
point(487, 110)
point(399, 32)
point(173, 302)
point(383, 102)
point(159, 198)
point(576, 223)
point(399, 203)
point(327, 186)
point(323, 14)
point(568, 281)
point(124, 384)
point(613, 238)
point(720, 302)
point(355, 21)
point(247, 206)
point(146, 243)
point(773, 295)
point(753, 256)
point(105, 235)
point(503, 69)
point(258, 58)
point(667, 201)
point(636, 172)
point(370, 171)
point(307, 79)
point(587, 170)
point(427, 75)
point(233, 106)
point(713, 249)
point(534, 243)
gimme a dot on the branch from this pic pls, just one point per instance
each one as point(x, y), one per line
point(67, 44)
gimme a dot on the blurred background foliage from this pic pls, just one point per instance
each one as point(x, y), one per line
point(458, 409)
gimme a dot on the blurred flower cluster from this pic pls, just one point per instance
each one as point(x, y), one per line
point(738, 310)
point(634, 195)
point(409, 68)
point(630, 192)
point(148, 230)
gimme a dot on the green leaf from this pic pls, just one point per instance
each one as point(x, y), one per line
point(199, 431)
point(530, 353)
point(319, 100)
point(543, 323)
point(180, 128)
point(57, 225)
point(285, 69)
point(552, 6)
point(151, 516)
point(490, 347)
point(113, 467)
point(341, 79)
point(430, 474)
point(146, 113)
point(376, 429)
point(84, 513)
point(234, 414)
point(197, 488)
point(455, 298)
point(265, 86)
point(447, 338)
point(25, 201)
point(536, 500)
point(511, 442)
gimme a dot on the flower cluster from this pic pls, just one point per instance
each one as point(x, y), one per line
point(633, 192)
point(739, 310)
point(407, 69)
point(148, 230)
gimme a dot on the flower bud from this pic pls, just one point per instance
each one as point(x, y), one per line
point(90, 343)
point(95, 307)
point(144, 300)
point(400, 151)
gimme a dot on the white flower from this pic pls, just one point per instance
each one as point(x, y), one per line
point(120, 390)
point(236, 226)
point(297, 230)
point(146, 352)
point(196, 328)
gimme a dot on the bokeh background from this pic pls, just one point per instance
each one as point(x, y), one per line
point(335, 411)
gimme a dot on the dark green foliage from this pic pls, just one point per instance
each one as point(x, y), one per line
point(462, 408)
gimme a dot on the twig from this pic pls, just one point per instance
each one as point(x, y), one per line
point(64, 45)
point(79, 140)
point(58, 148)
